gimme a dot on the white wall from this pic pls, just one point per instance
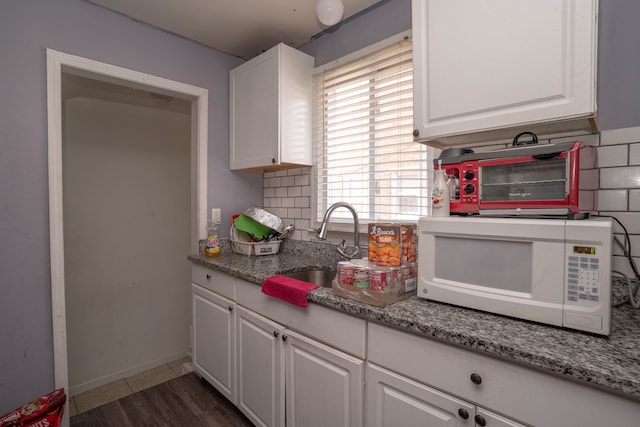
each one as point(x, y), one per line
point(126, 174)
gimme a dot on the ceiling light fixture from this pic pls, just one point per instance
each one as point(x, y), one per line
point(329, 12)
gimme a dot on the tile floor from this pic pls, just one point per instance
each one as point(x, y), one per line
point(90, 399)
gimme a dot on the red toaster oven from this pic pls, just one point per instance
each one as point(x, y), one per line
point(524, 180)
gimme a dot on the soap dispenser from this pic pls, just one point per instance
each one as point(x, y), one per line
point(212, 248)
point(440, 196)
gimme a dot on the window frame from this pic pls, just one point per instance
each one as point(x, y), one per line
point(337, 224)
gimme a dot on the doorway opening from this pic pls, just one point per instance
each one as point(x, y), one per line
point(59, 66)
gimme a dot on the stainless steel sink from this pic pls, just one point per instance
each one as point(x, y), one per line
point(322, 278)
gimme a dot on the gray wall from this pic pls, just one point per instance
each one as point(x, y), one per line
point(382, 21)
point(618, 64)
point(27, 28)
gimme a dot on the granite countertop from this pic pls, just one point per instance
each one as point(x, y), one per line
point(611, 363)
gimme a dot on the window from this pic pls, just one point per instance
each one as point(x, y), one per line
point(364, 152)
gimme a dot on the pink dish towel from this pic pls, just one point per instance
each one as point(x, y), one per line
point(291, 290)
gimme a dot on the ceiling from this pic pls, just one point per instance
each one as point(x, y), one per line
point(243, 28)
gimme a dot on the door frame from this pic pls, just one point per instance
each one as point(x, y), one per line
point(59, 63)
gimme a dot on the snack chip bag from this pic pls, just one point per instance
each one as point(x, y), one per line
point(45, 411)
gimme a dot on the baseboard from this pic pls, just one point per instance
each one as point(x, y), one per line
point(125, 373)
point(187, 368)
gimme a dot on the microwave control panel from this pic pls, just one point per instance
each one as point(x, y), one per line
point(583, 274)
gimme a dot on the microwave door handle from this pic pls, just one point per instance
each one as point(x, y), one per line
point(547, 156)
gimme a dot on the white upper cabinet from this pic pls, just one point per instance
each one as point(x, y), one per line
point(271, 111)
point(487, 70)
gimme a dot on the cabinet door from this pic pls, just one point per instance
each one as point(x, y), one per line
point(396, 401)
point(481, 66)
point(495, 420)
point(260, 369)
point(254, 121)
point(324, 385)
point(214, 339)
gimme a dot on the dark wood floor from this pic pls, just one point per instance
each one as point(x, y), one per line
point(184, 401)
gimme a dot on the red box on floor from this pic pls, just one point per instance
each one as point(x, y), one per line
point(45, 411)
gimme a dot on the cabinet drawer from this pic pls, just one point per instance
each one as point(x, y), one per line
point(213, 280)
point(504, 387)
point(339, 330)
point(394, 397)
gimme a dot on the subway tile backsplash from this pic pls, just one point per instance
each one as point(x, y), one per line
point(612, 200)
point(620, 177)
point(634, 154)
point(615, 188)
point(287, 193)
point(619, 188)
point(613, 155)
point(634, 200)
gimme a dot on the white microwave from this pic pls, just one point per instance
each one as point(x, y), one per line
point(553, 271)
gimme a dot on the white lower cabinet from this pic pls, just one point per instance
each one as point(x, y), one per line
point(214, 339)
point(260, 369)
point(323, 386)
point(289, 366)
point(282, 366)
point(397, 401)
point(513, 391)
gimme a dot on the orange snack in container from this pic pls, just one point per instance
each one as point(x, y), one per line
point(385, 244)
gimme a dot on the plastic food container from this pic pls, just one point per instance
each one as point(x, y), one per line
point(242, 248)
point(255, 249)
point(266, 248)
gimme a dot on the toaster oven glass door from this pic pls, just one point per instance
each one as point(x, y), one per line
point(532, 180)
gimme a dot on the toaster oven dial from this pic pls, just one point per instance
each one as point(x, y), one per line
point(469, 188)
point(469, 175)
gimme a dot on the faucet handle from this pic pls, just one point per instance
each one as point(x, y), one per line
point(354, 254)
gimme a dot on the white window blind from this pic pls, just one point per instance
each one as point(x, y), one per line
point(364, 151)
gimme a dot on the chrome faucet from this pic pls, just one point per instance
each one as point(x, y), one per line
point(322, 231)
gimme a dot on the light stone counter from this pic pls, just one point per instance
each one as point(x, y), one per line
point(610, 363)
